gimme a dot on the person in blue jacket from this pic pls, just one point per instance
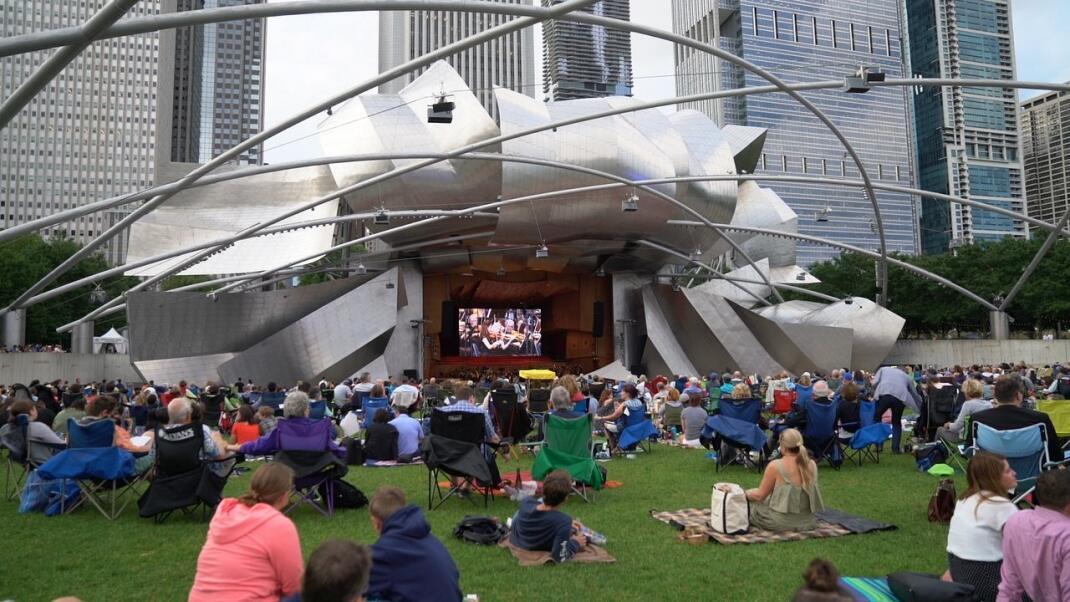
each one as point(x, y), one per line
point(408, 562)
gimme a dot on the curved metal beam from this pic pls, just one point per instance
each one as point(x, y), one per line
point(404, 68)
point(1029, 269)
point(47, 71)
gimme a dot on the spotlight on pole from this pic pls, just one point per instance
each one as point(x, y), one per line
point(542, 252)
point(630, 204)
point(441, 111)
point(381, 218)
point(361, 270)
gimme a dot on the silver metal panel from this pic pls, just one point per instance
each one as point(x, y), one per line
point(791, 274)
point(800, 347)
point(404, 350)
point(724, 331)
point(220, 210)
point(763, 208)
point(196, 369)
point(330, 342)
point(661, 336)
point(169, 324)
point(746, 144)
point(875, 329)
point(730, 291)
point(711, 155)
point(789, 311)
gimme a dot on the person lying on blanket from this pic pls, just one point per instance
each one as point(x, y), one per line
point(788, 495)
point(539, 526)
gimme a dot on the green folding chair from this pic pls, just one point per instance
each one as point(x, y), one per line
point(1059, 412)
point(569, 445)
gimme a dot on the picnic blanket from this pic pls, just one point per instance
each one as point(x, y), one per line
point(525, 477)
point(830, 523)
point(590, 554)
point(392, 463)
point(868, 589)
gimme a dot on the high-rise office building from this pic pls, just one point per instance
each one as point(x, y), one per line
point(507, 61)
point(90, 134)
point(581, 60)
point(1045, 123)
point(803, 41)
point(967, 138)
point(218, 86)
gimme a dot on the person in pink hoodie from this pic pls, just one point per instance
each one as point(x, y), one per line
point(253, 551)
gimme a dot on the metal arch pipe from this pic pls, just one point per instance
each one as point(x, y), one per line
point(714, 274)
point(118, 201)
point(412, 65)
point(85, 34)
point(1029, 269)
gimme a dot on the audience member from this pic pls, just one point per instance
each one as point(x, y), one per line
point(822, 584)
point(895, 390)
point(381, 438)
point(337, 571)
point(252, 551)
point(42, 443)
point(1009, 414)
point(692, 420)
point(972, 390)
point(562, 403)
point(267, 421)
point(245, 428)
point(410, 433)
point(788, 495)
point(408, 562)
point(975, 538)
point(539, 526)
point(672, 410)
point(849, 412)
point(180, 412)
point(297, 432)
point(1036, 544)
point(73, 407)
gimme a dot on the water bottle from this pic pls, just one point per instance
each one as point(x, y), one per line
point(594, 537)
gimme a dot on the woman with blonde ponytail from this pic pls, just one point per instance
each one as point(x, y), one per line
point(788, 496)
point(252, 533)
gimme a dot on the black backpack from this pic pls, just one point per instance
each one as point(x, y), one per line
point(1063, 388)
point(919, 587)
point(483, 530)
point(928, 455)
point(345, 495)
point(354, 451)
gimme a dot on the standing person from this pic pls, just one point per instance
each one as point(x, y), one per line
point(251, 532)
point(1036, 545)
point(975, 538)
point(894, 390)
point(408, 562)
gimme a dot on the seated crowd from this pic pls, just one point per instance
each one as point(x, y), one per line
point(1002, 551)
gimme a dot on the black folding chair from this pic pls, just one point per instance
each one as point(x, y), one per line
point(511, 420)
point(315, 473)
point(455, 449)
point(182, 479)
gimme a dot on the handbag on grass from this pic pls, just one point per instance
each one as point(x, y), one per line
point(729, 509)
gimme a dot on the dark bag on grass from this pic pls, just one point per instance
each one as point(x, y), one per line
point(484, 530)
point(942, 503)
point(354, 451)
point(345, 495)
point(919, 587)
point(928, 455)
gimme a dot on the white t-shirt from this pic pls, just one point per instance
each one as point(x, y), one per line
point(976, 531)
point(342, 393)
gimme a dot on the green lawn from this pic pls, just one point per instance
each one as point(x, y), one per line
point(133, 559)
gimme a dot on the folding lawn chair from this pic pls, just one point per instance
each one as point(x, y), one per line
point(455, 448)
point(511, 420)
point(867, 442)
point(182, 479)
point(570, 446)
point(314, 475)
point(736, 440)
point(635, 430)
point(819, 434)
point(1026, 450)
point(1059, 412)
point(104, 473)
point(19, 465)
point(372, 405)
point(317, 409)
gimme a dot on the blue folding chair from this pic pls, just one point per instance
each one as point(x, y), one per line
point(104, 473)
point(98, 433)
point(819, 435)
point(1026, 450)
point(273, 400)
point(747, 410)
point(636, 429)
point(317, 409)
point(736, 440)
point(371, 406)
point(869, 436)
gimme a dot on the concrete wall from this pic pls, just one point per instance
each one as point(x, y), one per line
point(85, 367)
point(963, 352)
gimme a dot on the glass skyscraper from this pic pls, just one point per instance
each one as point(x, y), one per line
point(802, 41)
point(1046, 154)
point(967, 138)
point(587, 61)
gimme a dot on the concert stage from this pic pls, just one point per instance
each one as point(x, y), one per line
point(447, 365)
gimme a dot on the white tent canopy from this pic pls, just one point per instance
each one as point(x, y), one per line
point(613, 371)
point(112, 338)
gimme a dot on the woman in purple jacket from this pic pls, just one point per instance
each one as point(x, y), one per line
point(296, 432)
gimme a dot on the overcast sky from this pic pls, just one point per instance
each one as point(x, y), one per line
point(312, 57)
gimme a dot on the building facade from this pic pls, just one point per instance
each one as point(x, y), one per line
point(802, 41)
point(1045, 125)
point(90, 134)
point(581, 60)
point(218, 86)
point(967, 138)
point(507, 61)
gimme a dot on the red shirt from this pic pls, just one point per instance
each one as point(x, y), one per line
point(245, 432)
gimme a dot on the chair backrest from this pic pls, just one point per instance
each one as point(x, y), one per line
point(213, 407)
point(97, 433)
point(178, 448)
point(633, 417)
point(1059, 412)
point(360, 398)
point(820, 419)
point(16, 440)
point(538, 401)
point(272, 399)
point(866, 411)
point(506, 412)
point(372, 405)
point(942, 399)
point(584, 406)
point(1026, 449)
point(317, 409)
point(459, 426)
point(570, 436)
point(595, 389)
point(747, 410)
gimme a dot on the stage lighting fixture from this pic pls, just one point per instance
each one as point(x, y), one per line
point(361, 270)
point(381, 218)
point(695, 255)
point(675, 286)
point(542, 252)
point(630, 204)
point(801, 277)
point(441, 111)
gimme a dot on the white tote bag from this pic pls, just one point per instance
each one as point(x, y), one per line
point(729, 509)
point(350, 425)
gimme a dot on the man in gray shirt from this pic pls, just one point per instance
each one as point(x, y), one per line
point(693, 418)
point(894, 390)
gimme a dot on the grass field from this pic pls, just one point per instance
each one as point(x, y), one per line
point(133, 559)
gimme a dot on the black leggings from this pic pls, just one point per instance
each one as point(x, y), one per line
point(884, 403)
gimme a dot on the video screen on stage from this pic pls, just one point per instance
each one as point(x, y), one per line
point(485, 332)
